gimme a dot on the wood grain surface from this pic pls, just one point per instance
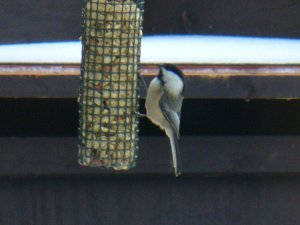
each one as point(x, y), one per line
point(203, 81)
point(202, 156)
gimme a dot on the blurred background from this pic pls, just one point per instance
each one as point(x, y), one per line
point(240, 132)
point(60, 20)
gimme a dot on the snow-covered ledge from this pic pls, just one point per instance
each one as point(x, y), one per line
point(195, 49)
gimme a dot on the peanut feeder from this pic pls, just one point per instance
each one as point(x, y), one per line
point(108, 98)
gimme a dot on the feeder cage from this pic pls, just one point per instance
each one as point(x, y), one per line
point(108, 98)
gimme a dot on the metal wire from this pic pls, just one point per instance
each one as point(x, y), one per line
point(108, 98)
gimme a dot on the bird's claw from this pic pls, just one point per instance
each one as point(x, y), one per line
point(140, 114)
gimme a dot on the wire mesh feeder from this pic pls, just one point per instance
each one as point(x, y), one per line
point(108, 125)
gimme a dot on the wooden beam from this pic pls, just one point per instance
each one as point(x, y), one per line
point(209, 70)
point(204, 81)
point(205, 156)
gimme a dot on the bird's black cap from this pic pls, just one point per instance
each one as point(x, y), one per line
point(172, 68)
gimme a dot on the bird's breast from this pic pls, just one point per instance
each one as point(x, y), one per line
point(152, 106)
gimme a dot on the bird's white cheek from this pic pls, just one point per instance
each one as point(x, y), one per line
point(173, 84)
point(174, 87)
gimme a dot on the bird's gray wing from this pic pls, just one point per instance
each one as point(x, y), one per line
point(170, 108)
point(174, 103)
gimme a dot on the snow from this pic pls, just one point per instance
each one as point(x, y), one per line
point(200, 49)
point(218, 49)
point(56, 52)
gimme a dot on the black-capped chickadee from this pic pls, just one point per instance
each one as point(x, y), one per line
point(163, 104)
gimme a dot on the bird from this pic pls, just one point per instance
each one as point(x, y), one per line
point(163, 106)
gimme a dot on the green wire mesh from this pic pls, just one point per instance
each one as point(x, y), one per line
point(108, 98)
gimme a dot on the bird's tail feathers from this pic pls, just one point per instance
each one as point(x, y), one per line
point(175, 153)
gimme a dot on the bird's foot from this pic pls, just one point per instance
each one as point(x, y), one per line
point(140, 114)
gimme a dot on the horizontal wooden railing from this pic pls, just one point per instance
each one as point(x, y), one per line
point(203, 81)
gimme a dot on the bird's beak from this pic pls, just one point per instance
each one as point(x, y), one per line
point(160, 66)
